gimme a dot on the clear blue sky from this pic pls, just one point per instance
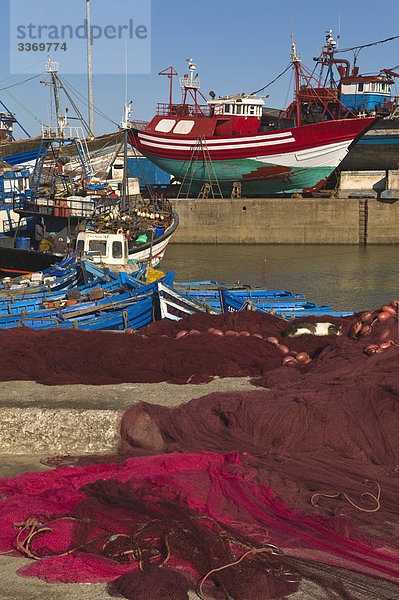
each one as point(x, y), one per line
point(238, 45)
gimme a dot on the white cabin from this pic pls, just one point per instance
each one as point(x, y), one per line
point(110, 249)
point(244, 105)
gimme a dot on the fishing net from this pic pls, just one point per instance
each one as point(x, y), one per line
point(202, 515)
point(309, 465)
point(150, 355)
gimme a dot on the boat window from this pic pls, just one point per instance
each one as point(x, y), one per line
point(228, 109)
point(117, 250)
point(239, 109)
point(98, 246)
point(165, 125)
point(252, 110)
point(80, 246)
point(183, 127)
point(360, 87)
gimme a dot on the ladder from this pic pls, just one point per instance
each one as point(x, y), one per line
point(201, 152)
point(84, 156)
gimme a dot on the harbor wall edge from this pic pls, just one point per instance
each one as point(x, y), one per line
point(286, 221)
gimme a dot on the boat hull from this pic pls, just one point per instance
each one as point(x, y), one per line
point(17, 261)
point(292, 160)
point(377, 150)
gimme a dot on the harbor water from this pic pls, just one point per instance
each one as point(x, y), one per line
point(345, 277)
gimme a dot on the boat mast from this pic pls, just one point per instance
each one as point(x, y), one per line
point(125, 126)
point(89, 69)
point(52, 69)
point(296, 61)
point(170, 72)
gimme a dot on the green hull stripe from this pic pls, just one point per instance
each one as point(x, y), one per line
point(256, 177)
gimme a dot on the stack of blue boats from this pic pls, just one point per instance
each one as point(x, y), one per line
point(78, 294)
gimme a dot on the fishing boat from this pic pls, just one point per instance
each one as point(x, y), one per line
point(348, 91)
point(229, 302)
point(174, 306)
point(228, 144)
point(63, 208)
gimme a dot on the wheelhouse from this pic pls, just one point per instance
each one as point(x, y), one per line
point(111, 249)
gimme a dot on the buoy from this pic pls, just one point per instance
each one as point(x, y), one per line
point(284, 349)
point(383, 316)
point(385, 345)
point(371, 349)
point(355, 328)
point(180, 334)
point(389, 309)
point(288, 360)
point(245, 333)
point(193, 332)
point(366, 316)
point(273, 340)
point(231, 332)
point(258, 335)
point(365, 330)
point(217, 332)
point(302, 357)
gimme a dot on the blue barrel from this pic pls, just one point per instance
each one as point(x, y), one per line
point(159, 230)
point(23, 243)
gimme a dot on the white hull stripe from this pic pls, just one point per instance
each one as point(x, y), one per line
point(236, 146)
point(157, 250)
point(329, 155)
point(208, 141)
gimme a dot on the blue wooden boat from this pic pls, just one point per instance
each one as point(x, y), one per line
point(133, 315)
point(230, 303)
point(83, 312)
point(174, 305)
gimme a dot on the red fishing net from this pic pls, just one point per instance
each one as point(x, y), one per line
point(150, 355)
point(310, 465)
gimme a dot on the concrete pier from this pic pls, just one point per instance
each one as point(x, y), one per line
point(343, 220)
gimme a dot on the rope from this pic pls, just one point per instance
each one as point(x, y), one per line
point(395, 37)
point(232, 564)
point(83, 101)
point(369, 510)
point(20, 82)
point(270, 83)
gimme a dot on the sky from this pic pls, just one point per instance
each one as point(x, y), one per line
point(238, 46)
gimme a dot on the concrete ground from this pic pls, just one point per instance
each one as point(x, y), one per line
point(37, 420)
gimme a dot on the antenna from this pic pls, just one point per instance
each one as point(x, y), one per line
point(89, 69)
point(125, 73)
point(339, 25)
point(295, 58)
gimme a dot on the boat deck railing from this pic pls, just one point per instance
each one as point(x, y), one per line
point(55, 207)
point(183, 110)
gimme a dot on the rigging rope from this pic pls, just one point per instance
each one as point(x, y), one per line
point(395, 37)
point(20, 82)
point(270, 83)
point(84, 101)
point(32, 114)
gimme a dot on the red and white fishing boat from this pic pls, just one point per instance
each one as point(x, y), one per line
point(230, 142)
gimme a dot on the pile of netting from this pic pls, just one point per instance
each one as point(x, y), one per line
point(233, 495)
point(155, 353)
point(158, 526)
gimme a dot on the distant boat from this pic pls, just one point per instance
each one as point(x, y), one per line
point(227, 144)
point(366, 95)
